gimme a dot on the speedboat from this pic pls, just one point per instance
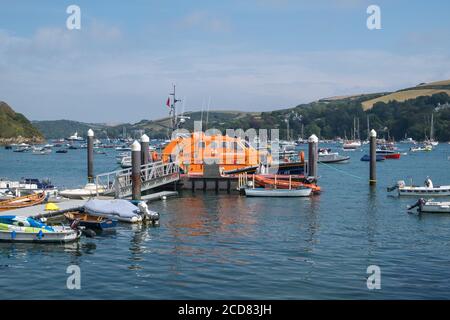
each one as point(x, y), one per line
point(422, 191)
point(388, 154)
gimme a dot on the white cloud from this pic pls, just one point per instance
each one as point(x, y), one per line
point(95, 76)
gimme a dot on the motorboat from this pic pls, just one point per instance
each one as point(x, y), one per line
point(428, 190)
point(421, 148)
point(431, 206)
point(326, 156)
point(388, 154)
point(75, 137)
point(90, 190)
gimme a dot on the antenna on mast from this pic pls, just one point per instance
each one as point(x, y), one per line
point(173, 109)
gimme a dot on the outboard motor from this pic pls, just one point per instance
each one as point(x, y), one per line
point(148, 215)
point(420, 203)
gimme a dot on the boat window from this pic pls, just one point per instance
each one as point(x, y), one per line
point(213, 145)
point(201, 145)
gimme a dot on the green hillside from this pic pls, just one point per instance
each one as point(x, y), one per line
point(16, 127)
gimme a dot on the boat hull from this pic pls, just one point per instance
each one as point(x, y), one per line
point(424, 191)
point(436, 207)
point(9, 233)
point(262, 192)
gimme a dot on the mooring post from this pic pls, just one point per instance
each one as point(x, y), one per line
point(373, 157)
point(313, 142)
point(90, 155)
point(136, 170)
point(145, 155)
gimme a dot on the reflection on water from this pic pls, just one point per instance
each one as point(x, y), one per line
point(222, 246)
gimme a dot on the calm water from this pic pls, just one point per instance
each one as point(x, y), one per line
point(228, 246)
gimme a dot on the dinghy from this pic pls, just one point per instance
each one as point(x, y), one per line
point(122, 210)
point(20, 229)
point(89, 221)
point(22, 202)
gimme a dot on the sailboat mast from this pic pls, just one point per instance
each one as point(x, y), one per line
point(432, 127)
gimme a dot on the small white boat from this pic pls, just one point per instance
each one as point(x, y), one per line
point(263, 192)
point(422, 191)
point(90, 190)
point(421, 148)
point(18, 229)
point(326, 156)
point(431, 206)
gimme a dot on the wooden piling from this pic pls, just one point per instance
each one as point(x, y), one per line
point(136, 170)
point(373, 158)
point(145, 155)
point(90, 155)
point(313, 143)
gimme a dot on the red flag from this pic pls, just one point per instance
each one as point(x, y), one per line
point(168, 102)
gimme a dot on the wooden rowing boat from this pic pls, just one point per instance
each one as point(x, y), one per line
point(264, 192)
point(283, 182)
point(22, 202)
point(89, 221)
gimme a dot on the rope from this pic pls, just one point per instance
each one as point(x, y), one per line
point(342, 171)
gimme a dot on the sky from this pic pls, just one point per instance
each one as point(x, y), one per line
point(252, 55)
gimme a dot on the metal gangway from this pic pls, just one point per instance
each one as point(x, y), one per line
point(153, 175)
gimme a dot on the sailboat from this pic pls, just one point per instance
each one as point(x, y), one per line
point(431, 140)
point(356, 142)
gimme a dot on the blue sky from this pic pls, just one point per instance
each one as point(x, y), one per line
point(239, 55)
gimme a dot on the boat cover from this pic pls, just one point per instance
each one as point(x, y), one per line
point(117, 208)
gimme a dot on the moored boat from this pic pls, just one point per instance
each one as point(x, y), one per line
point(366, 157)
point(19, 229)
point(388, 154)
point(22, 202)
point(91, 222)
point(265, 192)
point(326, 156)
point(118, 209)
point(90, 190)
point(431, 206)
point(423, 191)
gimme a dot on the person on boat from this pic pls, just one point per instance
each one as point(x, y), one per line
point(428, 183)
